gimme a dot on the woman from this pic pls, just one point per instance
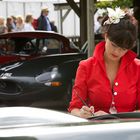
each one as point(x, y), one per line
point(109, 82)
point(19, 24)
point(3, 28)
point(10, 24)
point(28, 23)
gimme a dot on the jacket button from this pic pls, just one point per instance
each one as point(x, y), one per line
point(113, 103)
point(116, 84)
point(115, 93)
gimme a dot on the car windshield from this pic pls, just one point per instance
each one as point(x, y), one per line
point(30, 45)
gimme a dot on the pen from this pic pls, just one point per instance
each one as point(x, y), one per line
point(82, 100)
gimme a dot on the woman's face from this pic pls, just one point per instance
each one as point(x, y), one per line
point(113, 51)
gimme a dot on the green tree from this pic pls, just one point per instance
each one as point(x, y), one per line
point(113, 4)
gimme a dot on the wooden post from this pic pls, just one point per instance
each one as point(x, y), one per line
point(83, 22)
point(90, 27)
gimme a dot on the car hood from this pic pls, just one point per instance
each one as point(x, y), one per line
point(31, 116)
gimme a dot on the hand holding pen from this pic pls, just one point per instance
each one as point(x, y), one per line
point(85, 111)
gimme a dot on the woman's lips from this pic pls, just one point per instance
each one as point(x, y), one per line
point(114, 55)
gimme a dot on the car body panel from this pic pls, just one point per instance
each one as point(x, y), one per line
point(18, 123)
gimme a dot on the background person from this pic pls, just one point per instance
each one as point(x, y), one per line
point(43, 21)
point(3, 28)
point(10, 24)
point(28, 23)
point(53, 26)
point(19, 24)
point(109, 82)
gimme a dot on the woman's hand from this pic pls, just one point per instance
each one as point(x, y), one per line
point(100, 112)
point(86, 112)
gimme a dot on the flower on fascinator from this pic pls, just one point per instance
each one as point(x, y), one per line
point(101, 12)
point(130, 11)
point(114, 15)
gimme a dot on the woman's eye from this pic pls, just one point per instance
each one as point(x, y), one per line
point(124, 49)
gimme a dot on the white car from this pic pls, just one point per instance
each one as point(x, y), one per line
point(26, 123)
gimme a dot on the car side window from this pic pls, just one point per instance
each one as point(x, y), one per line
point(10, 46)
point(49, 46)
point(53, 46)
point(2, 46)
point(28, 48)
point(25, 46)
point(7, 46)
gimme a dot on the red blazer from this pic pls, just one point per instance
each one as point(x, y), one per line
point(93, 85)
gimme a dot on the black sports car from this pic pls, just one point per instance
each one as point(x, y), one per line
point(44, 80)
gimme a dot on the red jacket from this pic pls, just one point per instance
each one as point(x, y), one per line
point(93, 85)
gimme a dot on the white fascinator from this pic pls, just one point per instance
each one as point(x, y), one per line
point(114, 15)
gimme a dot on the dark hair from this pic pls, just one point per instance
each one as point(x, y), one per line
point(123, 34)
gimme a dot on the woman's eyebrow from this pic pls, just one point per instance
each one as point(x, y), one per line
point(114, 44)
point(117, 46)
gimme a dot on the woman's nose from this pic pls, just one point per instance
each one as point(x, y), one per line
point(116, 50)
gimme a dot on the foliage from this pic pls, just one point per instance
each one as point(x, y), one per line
point(113, 4)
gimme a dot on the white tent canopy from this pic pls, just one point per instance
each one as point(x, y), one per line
point(25, 0)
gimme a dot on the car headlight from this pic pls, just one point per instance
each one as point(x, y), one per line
point(50, 77)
